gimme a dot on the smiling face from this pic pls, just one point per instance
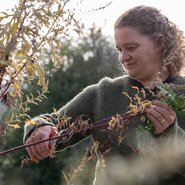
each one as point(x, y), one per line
point(139, 54)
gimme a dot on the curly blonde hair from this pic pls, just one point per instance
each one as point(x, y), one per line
point(149, 21)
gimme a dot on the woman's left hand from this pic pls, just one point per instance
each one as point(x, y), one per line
point(161, 115)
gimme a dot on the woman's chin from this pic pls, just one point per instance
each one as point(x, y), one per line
point(132, 74)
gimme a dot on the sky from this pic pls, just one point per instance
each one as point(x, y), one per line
point(105, 18)
point(174, 10)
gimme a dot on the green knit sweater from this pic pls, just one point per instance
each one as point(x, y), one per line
point(103, 100)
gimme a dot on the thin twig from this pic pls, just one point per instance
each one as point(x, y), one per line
point(28, 145)
point(98, 124)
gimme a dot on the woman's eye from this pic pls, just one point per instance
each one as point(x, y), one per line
point(119, 50)
point(132, 48)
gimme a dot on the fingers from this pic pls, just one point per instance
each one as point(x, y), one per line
point(39, 151)
point(161, 115)
point(158, 126)
point(165, 106)
point(42, 150)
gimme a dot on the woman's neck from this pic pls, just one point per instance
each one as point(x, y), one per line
point(157, 79)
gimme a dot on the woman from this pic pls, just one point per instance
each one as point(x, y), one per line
point(150, 50)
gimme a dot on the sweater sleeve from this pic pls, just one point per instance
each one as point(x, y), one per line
point(82, 104)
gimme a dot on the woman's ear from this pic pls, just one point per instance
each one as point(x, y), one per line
point(159, 41)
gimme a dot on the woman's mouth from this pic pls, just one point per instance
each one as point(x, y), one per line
point(129, 65)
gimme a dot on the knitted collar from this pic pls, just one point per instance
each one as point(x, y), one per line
point(134, 82)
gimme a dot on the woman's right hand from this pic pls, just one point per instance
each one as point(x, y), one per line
point(42, 150)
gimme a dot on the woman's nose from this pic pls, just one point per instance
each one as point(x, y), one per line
point(124, 56)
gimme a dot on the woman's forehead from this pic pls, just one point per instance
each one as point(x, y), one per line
point(128, 34)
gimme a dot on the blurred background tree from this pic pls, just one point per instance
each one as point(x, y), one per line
point(86, 59)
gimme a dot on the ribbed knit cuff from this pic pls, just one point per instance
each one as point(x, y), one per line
point(29, 128)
